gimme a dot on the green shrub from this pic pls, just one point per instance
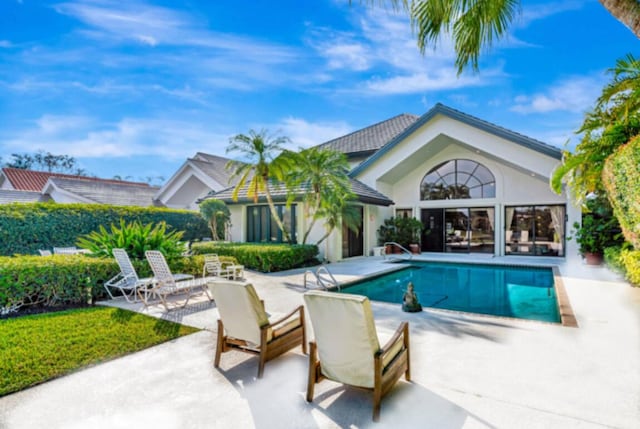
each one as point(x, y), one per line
point(631, 262)
point(135, 238)
point(27, 227)
point(612, 257)
point(621, 178)
point(70, 279)
point(263, 257)
point(52, 280)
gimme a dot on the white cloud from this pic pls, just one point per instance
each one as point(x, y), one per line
point(575, 94)
point(304, 133)
point(86, 137)
point(5, 44)
point(385, 47)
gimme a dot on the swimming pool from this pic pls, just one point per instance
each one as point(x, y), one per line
point(508, 291)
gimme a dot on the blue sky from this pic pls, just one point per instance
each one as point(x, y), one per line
point(134, 88)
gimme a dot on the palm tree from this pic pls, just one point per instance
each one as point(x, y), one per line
point(475, 25)
point(264, 165)
point(323, 174)
point(339, 212)
point(614, 120)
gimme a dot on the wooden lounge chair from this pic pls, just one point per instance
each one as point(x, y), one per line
point(245, 326)
point(347, 344)
point(165, 283)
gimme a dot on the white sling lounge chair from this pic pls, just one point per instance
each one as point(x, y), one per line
point(165, 283)
point(127, 281)
point(245, 326)
point(347, 344)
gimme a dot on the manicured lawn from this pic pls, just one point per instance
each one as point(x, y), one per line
point(34, 349)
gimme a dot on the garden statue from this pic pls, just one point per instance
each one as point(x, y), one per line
point(410, 300)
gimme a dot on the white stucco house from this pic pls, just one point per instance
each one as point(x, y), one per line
point(476, 187)
point(197, 177)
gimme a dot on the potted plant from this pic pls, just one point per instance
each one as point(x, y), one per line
point(405, 231)
point(593, 236)
point(599, 229)
point(387, 234)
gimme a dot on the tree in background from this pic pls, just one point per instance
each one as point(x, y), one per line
point(475, 25)
point(46, 161)
point(323, 174)
point(217, 215)
point(265, 165)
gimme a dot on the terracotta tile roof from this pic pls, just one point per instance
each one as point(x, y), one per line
point(30, 180)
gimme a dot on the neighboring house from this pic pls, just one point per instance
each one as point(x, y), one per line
point(18, 185)
point(196, 178)
point(476, 187)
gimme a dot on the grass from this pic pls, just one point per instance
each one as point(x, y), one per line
point(35, 349)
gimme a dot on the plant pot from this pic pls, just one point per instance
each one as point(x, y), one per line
point(388, 249)
point(593, 258)
point(415, 249)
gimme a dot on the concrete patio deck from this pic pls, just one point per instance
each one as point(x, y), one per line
point(468, 371)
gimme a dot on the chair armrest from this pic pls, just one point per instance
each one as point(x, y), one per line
point(401, 334)
point(283, 318)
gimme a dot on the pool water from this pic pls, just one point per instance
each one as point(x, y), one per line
point(520, 292)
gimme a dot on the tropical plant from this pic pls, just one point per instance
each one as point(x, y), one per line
point(599, 228)
point(264, 164)
point(475, 25)
point(400, 229)
point(217, 215)
point(337, 214)
point(614, 120)
point(135, 238)
point(323, 175)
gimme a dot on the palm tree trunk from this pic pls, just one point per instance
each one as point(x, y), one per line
point(625, 11)
point(274, 214)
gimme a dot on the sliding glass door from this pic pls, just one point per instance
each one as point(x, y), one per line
point(458, 230)
point(535, 230)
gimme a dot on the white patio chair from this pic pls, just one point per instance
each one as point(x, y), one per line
point(165, 283)
point(245, 326)
point(44, 252)
point(347, 344)
point(127, 280)
point(213, 266)
point(65, 250)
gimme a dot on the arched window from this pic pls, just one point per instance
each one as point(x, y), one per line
point(458, 179)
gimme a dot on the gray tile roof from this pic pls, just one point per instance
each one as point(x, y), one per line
point(364, 194)
point(489, 127)
point(122, 194)
point(11, 196)
point(213, 166)
point(371, 138)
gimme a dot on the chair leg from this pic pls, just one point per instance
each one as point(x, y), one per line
point(219, 344)
point(263, 350)
point(313, 371)
point(407, 373)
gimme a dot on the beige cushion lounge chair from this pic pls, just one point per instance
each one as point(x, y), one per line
point(245, 326)
point(165, 283)
point(347, 346)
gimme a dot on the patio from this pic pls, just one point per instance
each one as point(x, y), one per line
point(468, 371)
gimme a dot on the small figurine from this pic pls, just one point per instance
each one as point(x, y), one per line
point(410, 302)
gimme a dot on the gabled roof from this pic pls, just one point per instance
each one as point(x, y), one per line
point(30, 180)
point(11, 196)
point(364, 194)
point(489, 127)
point(371, 138)
point(213, 166)
point(106, 192)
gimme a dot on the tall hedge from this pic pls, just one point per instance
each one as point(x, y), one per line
point(27, 227)
point(621, 178)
